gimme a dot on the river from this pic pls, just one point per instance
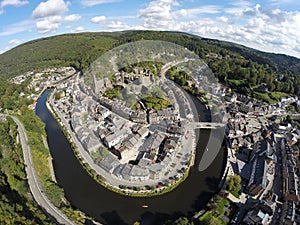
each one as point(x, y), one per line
point(110, 208)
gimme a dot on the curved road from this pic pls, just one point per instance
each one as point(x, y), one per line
point(35, 189)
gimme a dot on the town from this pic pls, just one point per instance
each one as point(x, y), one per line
point(130, 145)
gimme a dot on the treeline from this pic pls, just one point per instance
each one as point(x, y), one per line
point(238, 67)
point(16, 206)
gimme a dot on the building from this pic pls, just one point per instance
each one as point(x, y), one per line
point(155, 171)
point(139, 117)
point(91, 143)
point(143, 132)
point(76, 123)
point(139, 173)
point(258, 178)
point(289, 213)
point(115, 138)
point(109, 163)
point(260, 213)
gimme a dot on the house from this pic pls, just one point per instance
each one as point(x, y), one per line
point(139, 173)
point(109, 163)
point(76, 123)
point(131, 141)
point(125, 171)
point(153, 118)
point(104, 112)
point(91, 143)
point(290, 178)
point(170, 144)
point(155, 171)
point(115, 138)
point(243, 164)
point(143, 132)
point(246, 107)
point(174, 129)
point(289, 212)
point(260, 213)
point(139, 117)
point(156, 140)
point(258, 178)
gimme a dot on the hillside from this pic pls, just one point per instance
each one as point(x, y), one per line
point(237, 66)
point(64, 50)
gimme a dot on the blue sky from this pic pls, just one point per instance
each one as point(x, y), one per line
point(268, 25)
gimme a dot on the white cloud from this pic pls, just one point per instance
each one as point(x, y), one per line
point(72, 18)
point(50, 8)
point(14, 42)
point(79, 29)
point(208, 9)
point(48, 24)
point(96, 2)
point(243, 22)
point(52, 23)
point(158, 10)
point(49, 15)
point(118, 25)
point(159, 14)
point(163, 14)
point(266, 29)
point(98, 19)
point(237, 7)
point(13, 3)
point(223, 19)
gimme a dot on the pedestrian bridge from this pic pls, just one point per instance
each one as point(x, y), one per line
point(206, 125)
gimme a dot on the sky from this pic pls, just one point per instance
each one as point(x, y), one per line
point(267, 25)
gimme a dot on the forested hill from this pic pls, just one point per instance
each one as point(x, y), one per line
point(237, 66)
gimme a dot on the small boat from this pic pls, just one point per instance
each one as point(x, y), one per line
point(144, 206)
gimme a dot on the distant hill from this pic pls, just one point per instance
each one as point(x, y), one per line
point(235, 65)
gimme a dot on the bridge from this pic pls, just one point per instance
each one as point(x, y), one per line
point(206, 125)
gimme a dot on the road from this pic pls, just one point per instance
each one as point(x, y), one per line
point(35, 189)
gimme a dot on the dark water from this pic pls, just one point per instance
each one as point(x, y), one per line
point(110, 208)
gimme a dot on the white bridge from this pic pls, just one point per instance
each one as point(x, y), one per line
point(206, 125)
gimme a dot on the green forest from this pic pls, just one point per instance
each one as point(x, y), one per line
point(241, 68)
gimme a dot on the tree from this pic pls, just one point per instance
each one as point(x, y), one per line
point(211, 221)
point(234, 183)
point(180, 221)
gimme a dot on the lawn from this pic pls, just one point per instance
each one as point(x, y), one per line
point(264, 96)
point(276, 95)
point(236, 82)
